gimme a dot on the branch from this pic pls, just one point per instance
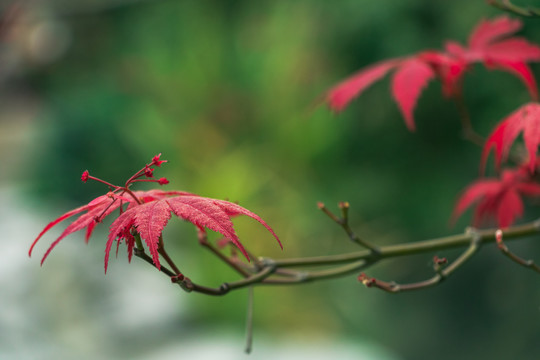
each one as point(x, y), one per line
point(504, 249)
point(432, 245)
point(344, 223)
point(441, 274)
point(203, 240)
point(267, 271)
point(507, 5)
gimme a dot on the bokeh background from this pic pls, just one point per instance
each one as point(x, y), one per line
point(229, 92)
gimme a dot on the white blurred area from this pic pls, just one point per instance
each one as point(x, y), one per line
point(68, 309)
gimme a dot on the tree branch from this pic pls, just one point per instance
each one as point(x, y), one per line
point(267, 271)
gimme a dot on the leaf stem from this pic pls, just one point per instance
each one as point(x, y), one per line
point(468, 131)
point(249, 321)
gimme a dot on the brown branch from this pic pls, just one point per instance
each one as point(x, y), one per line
point(267, 271)
point(203, 240)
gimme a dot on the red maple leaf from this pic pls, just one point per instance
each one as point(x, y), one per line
point(525, 120)
point(413, 73)
point(149, 219)
point(147, 214)
point(498, 198)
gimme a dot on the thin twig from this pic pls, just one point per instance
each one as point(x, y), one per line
point(178, 276)
point(228, 286)
point(310, 276)
point(344, 223)
point(203, 240)
point(441, 274)
point(142, 255)
point(468, 131)
point(249, 321)
point(504, 249)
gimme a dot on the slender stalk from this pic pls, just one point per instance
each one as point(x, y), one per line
point(517, 259)
point(203, 240)
point(255, 278)
point(165, 255)
point(468, 131)
point(310, 276)
point(344, 223)
point(441, 274)
point(249, 321)
point(141, 254)
point(132, 195)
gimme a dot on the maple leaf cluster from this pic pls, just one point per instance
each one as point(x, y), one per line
point(145, 214)
point(492, 45)
point(500, 198)
point(488, 44)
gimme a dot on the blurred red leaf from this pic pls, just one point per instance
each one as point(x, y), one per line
point(499, 199)
point(488, 44)
point(525, 120)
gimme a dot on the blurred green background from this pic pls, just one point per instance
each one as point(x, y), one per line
point(228, 92)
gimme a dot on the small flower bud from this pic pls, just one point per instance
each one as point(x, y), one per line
point(499, 236)
point(148, 171)
point(163, 181)
point(343, 205)
point(156, 161)
point(439, 261)
point(84, 176)
point(366, 280)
